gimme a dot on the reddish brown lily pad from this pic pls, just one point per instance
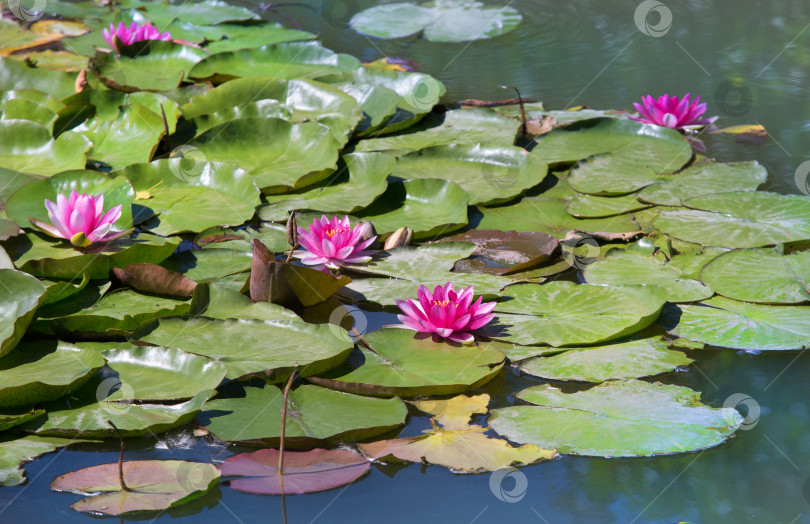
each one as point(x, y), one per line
point(151, 278)
point(304, 471)
point(504, 252)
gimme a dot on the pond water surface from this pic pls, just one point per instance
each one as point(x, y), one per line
point(568, 54)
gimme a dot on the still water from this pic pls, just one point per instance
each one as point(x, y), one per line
point(750, 61)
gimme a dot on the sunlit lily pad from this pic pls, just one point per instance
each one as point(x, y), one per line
point(246, 346)
point(628, 418)
point(203, 12)
point(246, 36)
point(28, 147)
point(205, 265)
point(443, 21)
point(155, 485)
point(44, 370)
point(404, 365)
point(739, 219)
point(17, 417)
point(489, 174)
point(703, 179)
point(563, 313)
point(132, 137)
point(150, 65)
point(315, 416)
point(16, 451)
point(15, 74)
point(760, 275)
point(728, 323)
point(589, 206)
point(20, 296)
point(633, 359)
point(217, 301)
point(500, 252)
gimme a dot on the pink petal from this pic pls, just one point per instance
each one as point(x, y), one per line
point(463, 338)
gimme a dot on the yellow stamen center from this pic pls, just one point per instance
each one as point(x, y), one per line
point(443, 303)
point(332, 232)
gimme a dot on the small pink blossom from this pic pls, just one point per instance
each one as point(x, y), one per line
point(446, 313)
point(80, 220)
point(334, 243)
point(123, 35)
point(672, 112)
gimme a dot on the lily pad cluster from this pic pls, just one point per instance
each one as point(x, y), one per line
point(606, 243)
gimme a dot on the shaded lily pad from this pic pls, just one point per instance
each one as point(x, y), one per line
point(633, 359)
point(404, 365)
point(563, 313)
point(444, 21)
point(627, 418)
point(156, 485)
point(270, 348)
point(489, 174)
point(193, 197)
point(20, 296)
point(760, 275)
point(739, 219)
point(206, 265)
point(727, 323)
point(45, 370)
point(315, 416)
point(18, 417)
point(304, 471)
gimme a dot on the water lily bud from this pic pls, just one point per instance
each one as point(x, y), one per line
point(370, 232)
point(292, 230)
point(401, 237)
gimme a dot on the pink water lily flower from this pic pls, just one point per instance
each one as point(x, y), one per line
point(672, 112)
point(80, 220)
point(446, 313)
point(123, 35)
point(334, 243)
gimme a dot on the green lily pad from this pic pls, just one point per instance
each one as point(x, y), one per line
point(406, 366)
point(27, 147)
point(29, 201)
point(132, 137)
point(739, 219)
point(237, 37)
point(15, 75)
point(660, 149)
point(87, 416)
point(119, 313)
point(215, 300)
point(704, 178)
point(386, 291)
point(442, 21)
point(18, 417)
point(619, 268)
point(634, 359)
point(478, 125)
point(504, 252)
point(34, 254)
point(287, 61)
point(549, 215)
point(563, 313)
point(278, 154)
point(150, 65)
point(44, 370)
point(203, 12)
point(589, 206)
point(107, 105)
point(158, 373)
point(20, 296)
point(366, 181)
point(269, 348)
point(760, 275)
point(728, 323)
point(21, 109)
point(627, 418)
point(15, 451)
point(315, 416)
point(613, 174)
point(429, 206)
point(192, 196)
point(205, 265)
point(489, 174)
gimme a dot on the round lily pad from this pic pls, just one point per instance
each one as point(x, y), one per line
point(704, 178)
point(20, 296)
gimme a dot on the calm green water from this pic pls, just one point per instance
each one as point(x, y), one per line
point(566, 54)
